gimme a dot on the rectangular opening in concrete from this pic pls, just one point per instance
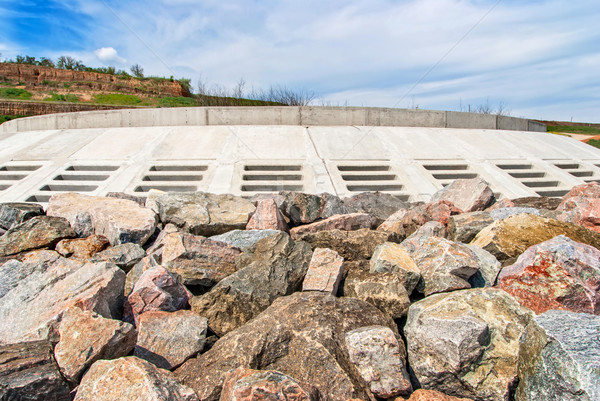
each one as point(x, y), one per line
point(528, 174)
point(92, 168)
point(151, 177)
point(436, 167)
point(166, 188)
point(363, 168)
point(582, 173)
point(38, 198)
point(375, 187)
point(375, 177)
point(271, 188)
point(515, 166)
point(453, 176)
point(19, 168)
point(567, 166)
point(68, 188)
point(11, 177)
point(273, 168)
point(540, 184)
point(3, 187)
point(272, 177)
point(178, 168)
point(80, 177)
point(553, 193)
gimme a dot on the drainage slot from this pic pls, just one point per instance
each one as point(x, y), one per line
point(529, 174)
point(515, 166)
point(92, 168)
point(178, 168)
point(67, 177)
point(582, 173)
point(453, 176)
point(38, 198)
point(389, 177)
point(271, 188)
point(12, 177)
point(567, 166)
point(19, 168)
point(435, 167)
point(272, 168)
point(272, 177)
point(172, 178)
point(166, 188)
point(374, 187)
point(552, 193)
point(3, 187)
point(68, 188)
point(540, 184)
point(364, 168)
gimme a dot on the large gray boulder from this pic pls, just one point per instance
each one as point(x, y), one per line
point(466, 343)
point(468, 195)
point(17, 213)
point(560, 357)
point(38, 232)
point(243, 239)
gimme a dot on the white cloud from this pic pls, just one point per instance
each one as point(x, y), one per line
point(109, 55)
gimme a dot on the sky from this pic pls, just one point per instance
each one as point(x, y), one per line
point(532, 58)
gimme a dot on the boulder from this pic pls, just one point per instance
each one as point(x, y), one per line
point(441, 211)
point(464, 227)
point(302, 208)
point(558, 358)
point(555, 274)
point(243, 239)
point(432, 395)
point(394, 258)
point(512, 236)
point(430, 229)
point(136, 272)
point(537, 202)
point(123, 255)
point(582, 211)
point(346, 222)
point(30, 309)
point(122, 195)
point(395, 223)
point(300, 335)
point(468, 195)
point(386, 291)
point(198, 260)
point(248, 384)
point(503, 213)
point(380, 359)
point(351, 245)
point(462, 343)
point(37, 232)
point(406, 221)
point(86, 337)
point(333, 205)
point(82, 248)
point(274, 267)
point(156, 290)
point(488, 266)
point(28, 372)
point(590, 190)
point(502, 203)
point(203, 213)
point(444, 265)
point(16, 213)
point(324, 271)
point(377, 204)
point(119, 220)
point(131, 378)
point(267, 217)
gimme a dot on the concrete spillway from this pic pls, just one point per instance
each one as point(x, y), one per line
point(249, 150)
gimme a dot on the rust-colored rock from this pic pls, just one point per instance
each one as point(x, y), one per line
point(584, 211)
point(590, 190)
point(267, 217)
point(324, 272)
point(82, 248)
point(432, 395)
point(38, 232)
point(394, 258)
point(468, 195)
point(346, 222)
point(556, 274)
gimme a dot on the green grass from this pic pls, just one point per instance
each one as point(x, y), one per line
point(63, 98)
point(594, 142)
point(177, 102)
point(14, 93)
point(117, 99)
point(574, 129)
point(4, 118)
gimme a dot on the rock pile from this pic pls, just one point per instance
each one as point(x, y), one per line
point(293, 296)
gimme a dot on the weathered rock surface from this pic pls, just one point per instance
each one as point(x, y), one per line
point(86, 337)
point(380, 359)
point(397, 221)
point(511, 237)
point(386, 291)
point(300, 335)
point(377, 204)
point(267, 217)
point(119, 220)
point(167, 339)
point(502, 203)
point(37, 232)
point(156, 290)
point(28, 372)
point(131, 378)
point(537, 202)
point(198, 260)
point(123, 255)
point(459, 343)
point(37, 301)
point(275, 267)
point(393, 258)
point(556, 274)
point(468, 195)
point(203, 213)
point(17, 213)
point(249, 384)
point(346, 222)
point(136, 272)
point(333, 205)
point(324, 271)
point(506, 212)
point(243, 239)
point(444, 265)
point(351, 245)
point(581, 210)
point(590, 190)
point(488, 268)
point(302, 208)
point(559, 356)
point(432, 395)
point(464, 227)
point(430, 229)
point(82, 248)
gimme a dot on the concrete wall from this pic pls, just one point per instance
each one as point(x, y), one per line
point(282, 115)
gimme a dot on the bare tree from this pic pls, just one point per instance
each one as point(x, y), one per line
point(137, 71)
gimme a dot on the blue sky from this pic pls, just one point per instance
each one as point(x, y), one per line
point(538, 58)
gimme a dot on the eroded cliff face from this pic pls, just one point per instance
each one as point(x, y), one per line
point(38, 77)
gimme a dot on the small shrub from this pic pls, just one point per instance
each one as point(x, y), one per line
point(117, 99)
point(55, 97)
point(177, 102)
point(14, 93)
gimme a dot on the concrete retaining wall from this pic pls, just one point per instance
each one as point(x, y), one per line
point(303, 116)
